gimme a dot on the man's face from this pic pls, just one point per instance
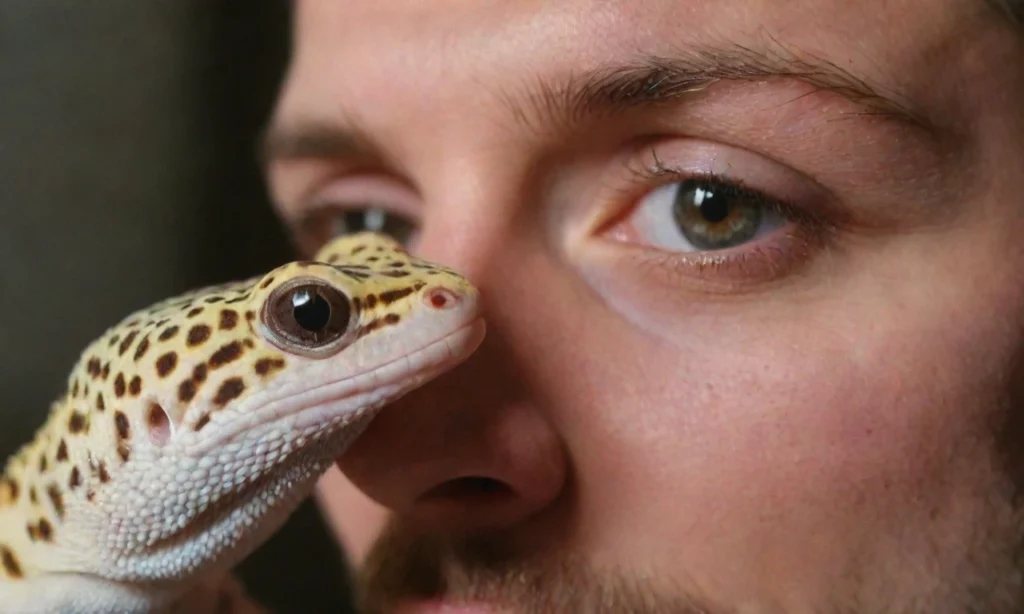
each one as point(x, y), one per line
point(752, 273)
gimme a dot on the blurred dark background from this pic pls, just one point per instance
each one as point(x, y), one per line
point(128, 173)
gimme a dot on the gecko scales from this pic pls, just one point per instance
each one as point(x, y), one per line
point(190, 431)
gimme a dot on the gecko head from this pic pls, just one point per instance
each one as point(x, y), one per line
point(239, 396)
point(323, 344)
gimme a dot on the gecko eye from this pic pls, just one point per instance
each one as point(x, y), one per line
point(307, 315)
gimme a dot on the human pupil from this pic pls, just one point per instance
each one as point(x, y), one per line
point(310, 310)
point(713, 207)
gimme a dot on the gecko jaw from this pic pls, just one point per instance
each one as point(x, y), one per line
point(342, 401)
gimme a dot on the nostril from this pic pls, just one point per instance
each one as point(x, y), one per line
point(441, 298)
point(469, 487)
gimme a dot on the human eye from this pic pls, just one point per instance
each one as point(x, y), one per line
point(715, 224)
point(347, 207)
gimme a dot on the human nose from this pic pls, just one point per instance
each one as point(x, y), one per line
point(469, 451)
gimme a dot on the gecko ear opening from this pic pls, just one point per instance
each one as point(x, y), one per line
point(159, 425)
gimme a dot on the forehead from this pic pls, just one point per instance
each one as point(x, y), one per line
point(499, 47)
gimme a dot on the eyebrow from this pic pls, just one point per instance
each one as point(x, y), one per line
point(609, 90)
point(313, 139)
point(658, 80)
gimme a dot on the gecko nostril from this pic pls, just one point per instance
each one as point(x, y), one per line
point(159, 424)
point(441, 298)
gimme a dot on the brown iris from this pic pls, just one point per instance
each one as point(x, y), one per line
point(715, 216)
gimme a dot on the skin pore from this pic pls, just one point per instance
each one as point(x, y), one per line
point(752, 279)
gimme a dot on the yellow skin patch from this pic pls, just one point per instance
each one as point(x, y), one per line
point(191, 429)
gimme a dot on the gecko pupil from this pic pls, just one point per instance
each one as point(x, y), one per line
point(310, 310)
point(306, 315)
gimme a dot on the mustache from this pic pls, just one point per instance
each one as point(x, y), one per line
point(406, 565)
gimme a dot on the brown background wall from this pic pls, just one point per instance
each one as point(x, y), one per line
point(127, 174)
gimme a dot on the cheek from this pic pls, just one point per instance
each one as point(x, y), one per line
point(789, 430)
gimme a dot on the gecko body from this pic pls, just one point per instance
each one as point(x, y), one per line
point(190, 431)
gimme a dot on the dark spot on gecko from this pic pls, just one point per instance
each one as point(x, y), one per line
point(198, 335)
point(395, 273)
point(228, 319)
point(354, 275)
point(392, 318)
point(203, 421)
point(127, 342)
point(121, 422)
point(119, 386)
point(42, 463)
point(143, 347)
point(196, 311)
point(213, 299)
point(199, 373)
point(186, 391)
point(106, 371)
point(264, 366)
point(226, 354)
point(76, 423)
point(62, 451)
point(166, 363)
point(75, 480)
point(123, 451)
point(9, 490)
point(10, 562)
point(266, 282)
point(44, 530)
point(391, 296)
point(332, 258)
point(93, 367)
point(74, 388)
point(357, 249)
point(229, 390)
point(135, 386)
point(101, 471)
point(250, 316)
point(100, 405)
point(56, 499)
point(90, 495)
point(33, 495)
point(167, 333)
point(114, 340)
point(248, 343)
